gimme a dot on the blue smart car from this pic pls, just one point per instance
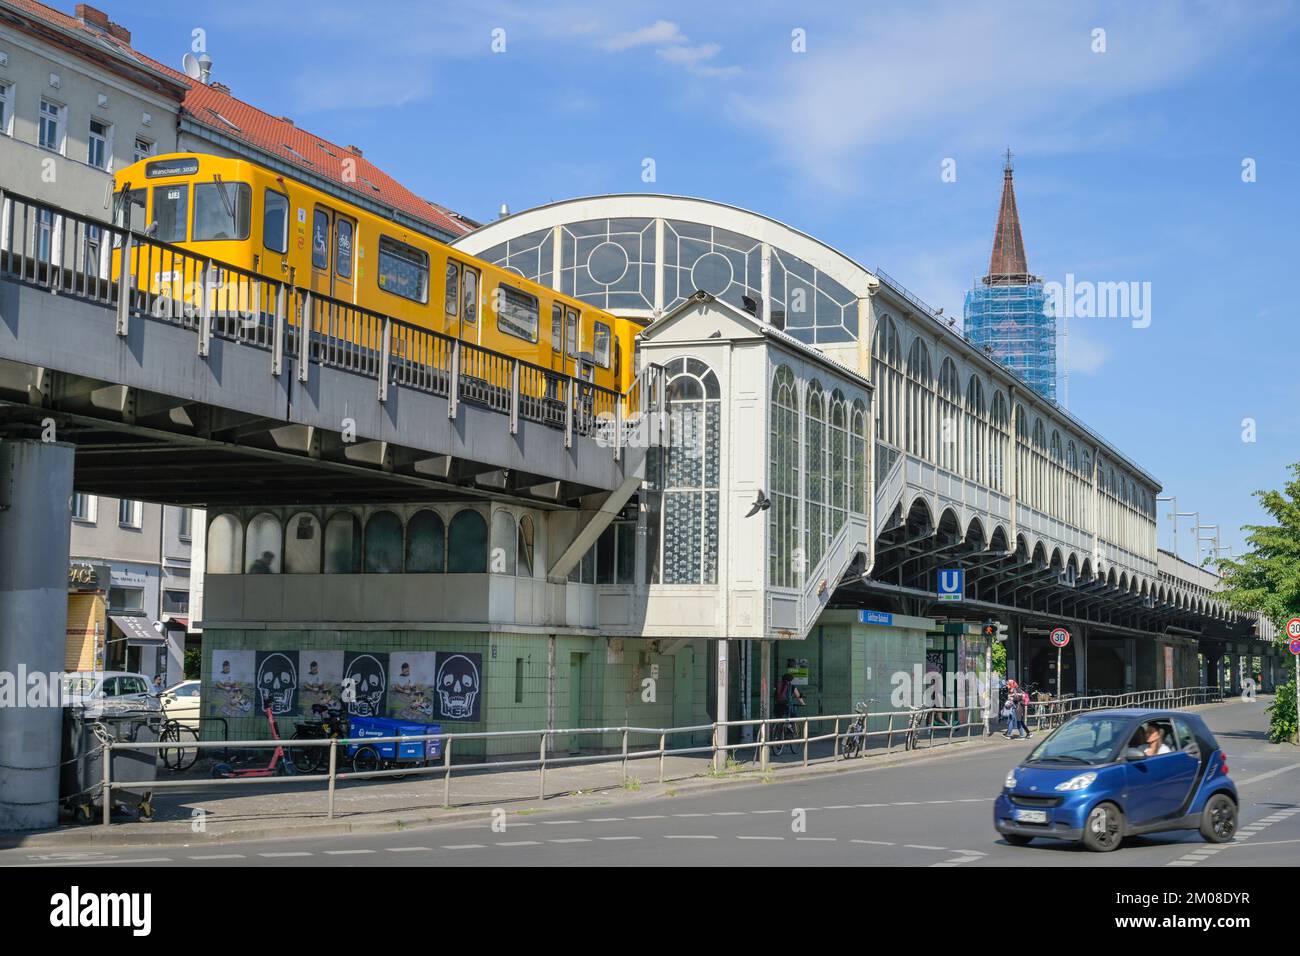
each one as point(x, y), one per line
point(1103, 776)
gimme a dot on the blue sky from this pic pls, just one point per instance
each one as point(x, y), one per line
point(1128, 161)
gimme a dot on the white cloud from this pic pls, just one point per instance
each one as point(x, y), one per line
point(657, 34)
point(1086, 355)
point(982, 75)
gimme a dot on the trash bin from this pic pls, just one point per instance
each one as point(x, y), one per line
point(85, 729)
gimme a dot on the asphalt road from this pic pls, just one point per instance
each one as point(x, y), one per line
point(933, 812)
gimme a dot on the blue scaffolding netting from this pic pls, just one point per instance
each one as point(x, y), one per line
point(1015, 324)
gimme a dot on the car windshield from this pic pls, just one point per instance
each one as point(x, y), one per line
point(1083, 740)
point(78, 686)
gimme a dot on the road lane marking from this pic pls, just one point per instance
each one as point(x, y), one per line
point(650, 816)
point(521, 843)
point(875, 842)
point(571, 840)
point(217, 856)
point(347, 852)
point(619, 838)
point(605, 820)
point(278, 855)
point(760, 838)
point(1265, 776)
point(463, 846)
point(408, 849)
point(689, 836)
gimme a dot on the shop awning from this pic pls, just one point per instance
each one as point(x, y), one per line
point(138, 631)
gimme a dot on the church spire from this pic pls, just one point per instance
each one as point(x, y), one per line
point(1007, 265)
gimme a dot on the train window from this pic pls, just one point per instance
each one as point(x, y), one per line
point(343, 248)
point(221, 211)
point(453, 289)
point(403, 269)
point(320, 239)
point(600, 345)
point(275, 221)
point(618, 361)
point(517, 313)
point(557, 327)
point(128, 211)
point(470, 296)
point(171, 212)
point(571, 331)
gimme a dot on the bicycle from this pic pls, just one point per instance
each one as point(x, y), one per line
point(917, 714)
point(331, 723)
point(184, 754)
point(855, 741)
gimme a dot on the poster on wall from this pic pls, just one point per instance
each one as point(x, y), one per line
point(458, 684)
point(230, 691)
point(411, 692)
point(798, 668)
point(277, 683)
point(365, 683)
point(321, 679)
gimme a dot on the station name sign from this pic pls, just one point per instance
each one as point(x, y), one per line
point(876, 617)
point(186, 166)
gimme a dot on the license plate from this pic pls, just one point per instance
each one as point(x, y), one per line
point(1031, 816)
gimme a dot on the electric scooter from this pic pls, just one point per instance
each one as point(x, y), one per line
point(279, 762)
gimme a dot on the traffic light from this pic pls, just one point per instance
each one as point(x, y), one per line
point(994, 631)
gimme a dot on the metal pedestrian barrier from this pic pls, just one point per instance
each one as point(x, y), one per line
point(912, 728)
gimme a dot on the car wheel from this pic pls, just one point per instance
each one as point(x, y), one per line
point(1016, 839)
point(1104, 829)
point(1219, 819)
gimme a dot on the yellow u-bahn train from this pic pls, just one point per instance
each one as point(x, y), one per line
point(241, 214)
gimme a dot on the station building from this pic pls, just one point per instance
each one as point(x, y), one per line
point(832, 444)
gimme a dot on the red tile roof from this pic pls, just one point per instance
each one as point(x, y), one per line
point(213, 107)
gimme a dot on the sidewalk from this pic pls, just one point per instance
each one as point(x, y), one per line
point(187, 816)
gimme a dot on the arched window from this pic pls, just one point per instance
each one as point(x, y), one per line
point(426, 544)
point(302, 544)
point(503, 557)
point(262, 545)
point(815, 475)
point(467, 543)
point(343, 544)
point(858, 464)
point(920, 401)
point(999, 437)
point(949, 416)
point(225, 545)
point(783, 476)
point(976, 431)
point(383, 543)
point(691, 477)
point(887, 364)
point(525, 550)
point(839, 464)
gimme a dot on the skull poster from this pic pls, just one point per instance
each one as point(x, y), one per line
point(365, 683)
point(230, 690)
point(277, 682)
point(412, 692)
point(321, 679)
point(459, 686)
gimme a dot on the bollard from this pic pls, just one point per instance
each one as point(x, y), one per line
point(329, 810)
point(107, 794)
point(541, 767)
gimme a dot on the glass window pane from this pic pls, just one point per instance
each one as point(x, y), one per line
point(171, 211)
point(467, 541)
point(505, 545)
point(222, 211)
point(383, 546)
point(343, 544)
point(302, 544)
point(275, 222)
point(403, 269)
point(425, 543)
point(320, 239)
point(343, 248)
point(262, 550)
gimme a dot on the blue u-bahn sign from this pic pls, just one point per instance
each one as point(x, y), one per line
point(952, 584)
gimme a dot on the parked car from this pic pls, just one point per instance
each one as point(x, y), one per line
point(181, 702)
point(117, 689)
point(1103, 776)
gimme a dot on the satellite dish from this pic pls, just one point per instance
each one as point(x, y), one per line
point(190, 64)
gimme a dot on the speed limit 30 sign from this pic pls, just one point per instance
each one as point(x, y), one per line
point(1059, 637)
point(1293, 635)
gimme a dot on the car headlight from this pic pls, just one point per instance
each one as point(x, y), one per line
point(1010, 782)
point(1081, 782)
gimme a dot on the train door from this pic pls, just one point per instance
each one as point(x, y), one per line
point(345, 243)
point(461, 302)
point(322, 244)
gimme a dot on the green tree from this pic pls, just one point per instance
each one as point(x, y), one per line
point(1267, 579)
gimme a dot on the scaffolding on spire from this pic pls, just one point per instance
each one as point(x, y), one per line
point(1006, 312)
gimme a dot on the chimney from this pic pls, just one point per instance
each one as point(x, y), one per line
point(98, 20)
point(285, 119)
point(355, 150)
point(220, 88)
point(92, 17)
